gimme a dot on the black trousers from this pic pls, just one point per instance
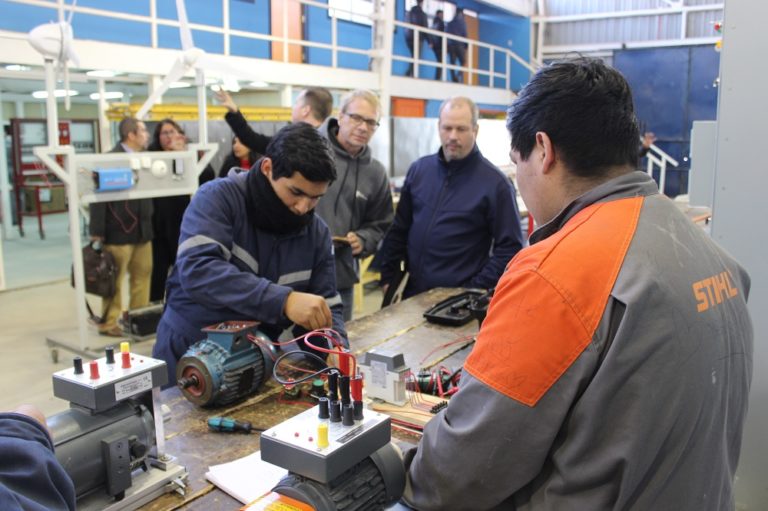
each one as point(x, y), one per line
point(457, 55)
point(163, 257)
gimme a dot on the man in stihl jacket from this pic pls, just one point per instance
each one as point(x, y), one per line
point(612, 371)
point(252, 248)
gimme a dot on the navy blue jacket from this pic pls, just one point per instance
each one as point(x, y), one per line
point(30, 476)
point(227, 269)
point(456, 225)
point(457, 26)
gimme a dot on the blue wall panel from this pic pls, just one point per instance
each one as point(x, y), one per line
point(100, 28)
point(432, 107)
point(23, 18)
point(672, 87)
point(251, 17)
point(317, 28)
point(139, 7)
point(203, 12)
point(168, 37)
point(246, 47)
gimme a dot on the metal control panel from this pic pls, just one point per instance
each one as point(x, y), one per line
point(102, 383)
point(301, 446)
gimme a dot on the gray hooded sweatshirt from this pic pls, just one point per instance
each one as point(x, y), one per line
point(359, 200)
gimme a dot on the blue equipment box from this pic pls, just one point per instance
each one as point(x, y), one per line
point(112, 179)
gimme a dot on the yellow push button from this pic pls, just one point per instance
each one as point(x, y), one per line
point(322, 435)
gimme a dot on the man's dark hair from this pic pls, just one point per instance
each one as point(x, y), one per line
point(320, 102)
point(585, 107)
point(300, 148)
point(155, 144)
point(127, 126)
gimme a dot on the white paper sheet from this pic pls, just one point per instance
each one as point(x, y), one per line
point(246, 479)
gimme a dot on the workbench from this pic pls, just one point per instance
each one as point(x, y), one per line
point(399, 328)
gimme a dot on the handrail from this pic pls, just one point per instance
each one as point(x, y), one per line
point(661, 160)
point(468, 68)
point(372, 52)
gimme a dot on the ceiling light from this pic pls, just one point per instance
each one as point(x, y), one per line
point(258, 85)
point(58, 93)
point(179, 85)
point(107, 95)
point(102, 73)
point(17, 67)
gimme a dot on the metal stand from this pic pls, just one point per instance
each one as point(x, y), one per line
point(76, 174)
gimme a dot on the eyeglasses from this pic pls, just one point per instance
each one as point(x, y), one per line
point(358, 120)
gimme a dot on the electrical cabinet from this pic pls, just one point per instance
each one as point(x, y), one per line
point(38, 192)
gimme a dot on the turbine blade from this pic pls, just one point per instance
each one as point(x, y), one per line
point(67, 101)
point(220, 65)
point(177, 71)
point(72, 12)
point(184, 32)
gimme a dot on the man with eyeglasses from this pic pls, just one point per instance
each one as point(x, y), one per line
point(358, 205)
point(457, 223)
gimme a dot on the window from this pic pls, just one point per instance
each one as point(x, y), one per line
point(356, 11)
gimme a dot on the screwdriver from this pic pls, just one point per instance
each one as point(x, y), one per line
point(229, 425)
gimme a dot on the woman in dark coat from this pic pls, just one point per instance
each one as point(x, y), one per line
point(169, 211)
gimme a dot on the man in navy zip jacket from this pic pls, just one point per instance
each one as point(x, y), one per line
point(457, 223)
point(31, 478)
point(252, 248)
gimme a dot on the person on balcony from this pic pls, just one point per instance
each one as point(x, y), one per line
point(437, 42)
point(416, 16)
point(457, 50)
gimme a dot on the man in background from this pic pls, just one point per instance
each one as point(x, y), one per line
point(358, 205)
point(124, 228)
point(416, 16)
point(613, 368)
point(457, 50)
point(457, 223)
point(312, 106)
point(437, 42)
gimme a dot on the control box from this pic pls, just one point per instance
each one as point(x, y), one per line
point(107, 381)
point(322, 449)
point(385, 374)
point(111, 179)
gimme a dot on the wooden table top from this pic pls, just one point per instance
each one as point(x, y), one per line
point(400, 327)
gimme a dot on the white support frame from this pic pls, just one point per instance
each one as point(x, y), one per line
point(77, 194)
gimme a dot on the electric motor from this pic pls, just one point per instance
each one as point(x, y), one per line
point(375, 483)
point(230, 364)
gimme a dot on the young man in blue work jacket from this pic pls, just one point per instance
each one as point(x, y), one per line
point(252, 248)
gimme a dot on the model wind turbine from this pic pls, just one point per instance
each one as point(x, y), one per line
point(197, 59)
point(54, 41)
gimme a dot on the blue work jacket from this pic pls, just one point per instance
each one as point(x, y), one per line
point(228, 269)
